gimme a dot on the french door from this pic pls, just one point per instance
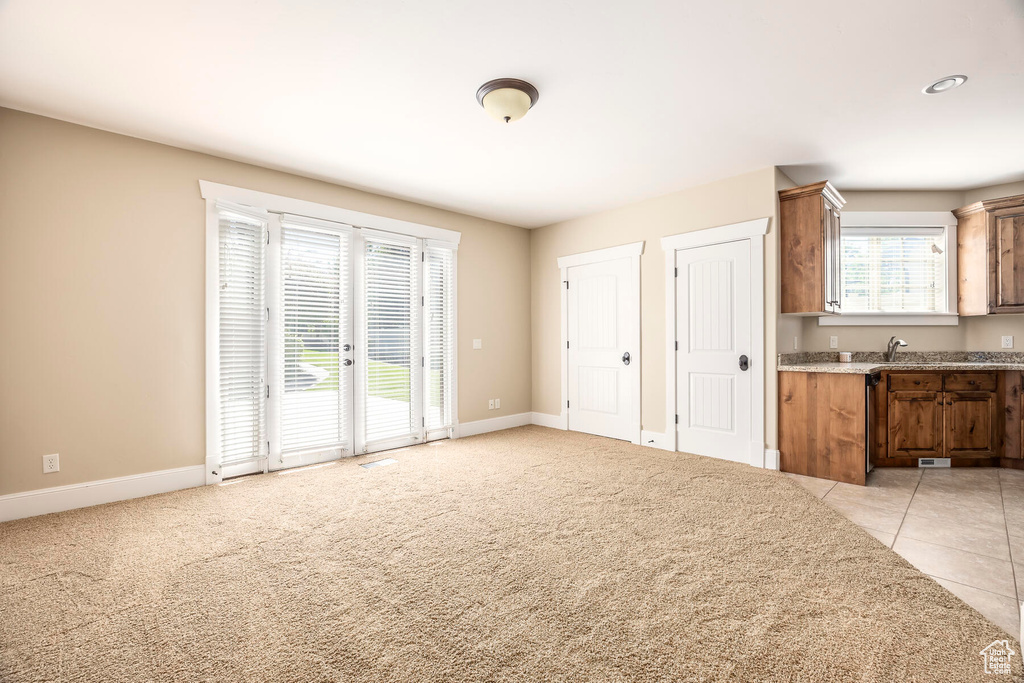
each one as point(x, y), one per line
point(330, 341)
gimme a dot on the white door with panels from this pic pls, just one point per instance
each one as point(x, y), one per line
point(713, 332)
point(602, 349)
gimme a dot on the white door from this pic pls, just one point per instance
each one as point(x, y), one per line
point(713, 382)
point(603, 329)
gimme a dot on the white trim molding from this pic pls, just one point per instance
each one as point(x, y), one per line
point(494, 424)
point(599, 255)
point(72, 496)
point(276, 203)
point(754, 231)
point(719, 235)
point(655, 440)
point(771, 460)
point(632, 251)
point(545, 420)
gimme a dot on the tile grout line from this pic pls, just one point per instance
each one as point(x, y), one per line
point(911, 502)
point(1009, 544)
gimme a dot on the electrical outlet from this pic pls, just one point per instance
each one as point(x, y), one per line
point(497, 403)
point(478, 343)
point(490, 404)
point(1008, 341)
point(51, 463)
point(833, 342)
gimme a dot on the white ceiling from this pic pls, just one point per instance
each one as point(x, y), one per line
point(637, 98)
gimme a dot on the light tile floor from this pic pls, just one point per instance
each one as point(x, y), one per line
point(964, 527)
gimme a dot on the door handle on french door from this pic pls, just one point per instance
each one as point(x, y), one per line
point(347, 362)
point(744, 363)
point(346, 347)
point(625, 358)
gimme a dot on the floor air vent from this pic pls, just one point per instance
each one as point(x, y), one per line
point(379, 463)
point(933, 462)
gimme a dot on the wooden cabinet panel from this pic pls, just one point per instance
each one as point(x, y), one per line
point(990, 256)
point(915, 382)
point(915, 424)
point(970, 424)
point(1009, 230)
point(809, 244)
point(822, 422)
point(970, 381)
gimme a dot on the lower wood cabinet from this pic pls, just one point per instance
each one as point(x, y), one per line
point(942, 415)
point(915, 424)
point(823, 425)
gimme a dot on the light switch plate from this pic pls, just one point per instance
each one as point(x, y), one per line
point(478, 343)
point(1008, 341)
point(497, 403)
point(833, 342)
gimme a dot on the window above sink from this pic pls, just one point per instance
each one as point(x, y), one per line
point(897, 268)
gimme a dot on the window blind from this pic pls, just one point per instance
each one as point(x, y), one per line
point(440, 332)
point(901, 270)
point(392, 343)
point(242, 337)
point(316, 300)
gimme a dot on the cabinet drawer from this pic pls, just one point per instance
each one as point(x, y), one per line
point(970, 381)
point(915, 382)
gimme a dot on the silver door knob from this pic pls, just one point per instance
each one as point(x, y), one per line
point(625, 358)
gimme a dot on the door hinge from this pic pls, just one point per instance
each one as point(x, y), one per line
point(423, 301)
point(423, 361)
point(424, 421)
point(423, 257)
point(268, 315)
point(677, 272)
point(566, 284)
point(677, 346)
point(566, 404)
point(567, 344)
point(268, 237)
point(677, 418)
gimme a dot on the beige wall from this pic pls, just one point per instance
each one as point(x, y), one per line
point(972, 334)
point(737, 199)
point(102, 265)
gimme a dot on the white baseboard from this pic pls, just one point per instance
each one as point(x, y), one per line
point(494, 424)
point(60, 498)
point(771, 460)
point(545, 420)
point(655, 440)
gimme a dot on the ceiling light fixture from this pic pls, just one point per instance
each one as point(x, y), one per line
point(507, 99)
point(944, 84)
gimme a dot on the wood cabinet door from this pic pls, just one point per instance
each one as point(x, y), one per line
point(1009, 229)
point(970, 418)
point(915, 424)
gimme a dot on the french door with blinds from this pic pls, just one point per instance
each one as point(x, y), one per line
point(330, 341)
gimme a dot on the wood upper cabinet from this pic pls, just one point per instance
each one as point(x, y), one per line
point(809, 243)
point(990, 256)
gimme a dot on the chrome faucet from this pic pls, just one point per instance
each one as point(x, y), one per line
point(894, 346)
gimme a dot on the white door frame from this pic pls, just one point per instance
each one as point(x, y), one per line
point(752, 231)
point(632, 251)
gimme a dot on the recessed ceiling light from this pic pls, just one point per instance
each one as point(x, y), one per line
point(944, 84)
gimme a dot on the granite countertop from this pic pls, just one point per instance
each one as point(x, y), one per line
point(868, 362)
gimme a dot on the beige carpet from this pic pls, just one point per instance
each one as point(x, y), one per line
point(524, 555)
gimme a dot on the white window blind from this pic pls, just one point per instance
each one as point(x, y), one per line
point(893, 270)
point(440, 336)
point(393, 358)
point(242, 337)
point(316, 300)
